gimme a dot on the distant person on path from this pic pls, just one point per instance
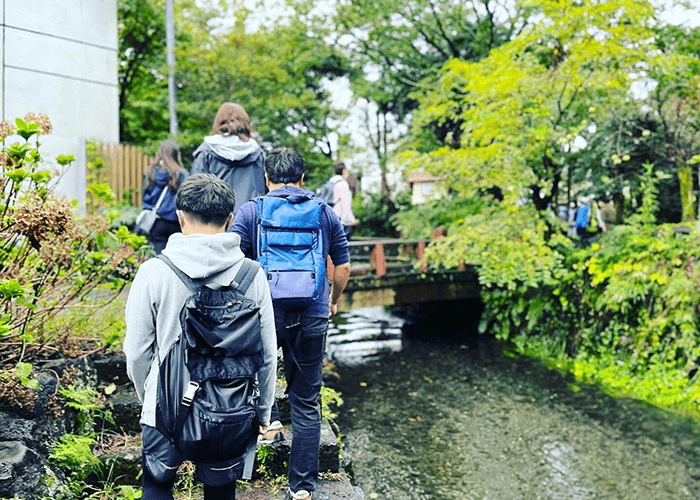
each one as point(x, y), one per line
point(204, 250)
point(582, 219)
point(352, 180)
point(602, 226)
point(342, 198)
point(232, 155)
point(301, 329)
point(572, 219)
point(166, 173)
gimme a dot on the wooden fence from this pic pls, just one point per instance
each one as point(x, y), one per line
point(123, 169)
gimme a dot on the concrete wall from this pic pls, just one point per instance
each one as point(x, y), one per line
point(59, 57)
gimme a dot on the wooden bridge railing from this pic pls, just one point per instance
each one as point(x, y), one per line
point(388, 271)
point(382, 256)
point(385, 255)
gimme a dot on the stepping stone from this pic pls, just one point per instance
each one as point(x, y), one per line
point(330, 487)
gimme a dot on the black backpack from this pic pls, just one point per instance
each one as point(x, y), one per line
point(207, 388)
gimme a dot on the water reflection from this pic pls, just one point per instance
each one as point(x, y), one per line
point(439, 418)
point(361, 335)
point(563, 479)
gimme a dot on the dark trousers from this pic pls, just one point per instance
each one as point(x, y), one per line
point(161, 231)
point(160, 463)
point(303, 342)
point(154, 490)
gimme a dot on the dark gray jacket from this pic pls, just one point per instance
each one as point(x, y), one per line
point(240, 164)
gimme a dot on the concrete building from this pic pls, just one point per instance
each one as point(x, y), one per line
point(59, 57)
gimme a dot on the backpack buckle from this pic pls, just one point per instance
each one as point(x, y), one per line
point(190, 392)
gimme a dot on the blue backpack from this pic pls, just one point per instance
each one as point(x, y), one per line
point(290, 249)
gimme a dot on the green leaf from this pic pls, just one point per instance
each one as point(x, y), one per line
point(65, 159)
point(23, 370)
point(41, 177)
point(17, 175)
point(26, 130)
point(11, 288)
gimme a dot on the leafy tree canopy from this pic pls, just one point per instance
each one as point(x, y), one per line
point(531, 97)
point(275, 73)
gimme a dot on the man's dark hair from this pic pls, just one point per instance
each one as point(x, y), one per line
point(338, 167)
point(284, 166)
point(206, 198)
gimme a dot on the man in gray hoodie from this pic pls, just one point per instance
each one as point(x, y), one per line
point(204, 250)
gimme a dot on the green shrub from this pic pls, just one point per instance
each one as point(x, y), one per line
point(622, 312)
point(50, 260)
point(74, 453)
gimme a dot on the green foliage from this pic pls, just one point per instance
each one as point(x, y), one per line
point(89, 405)
point(509, 245)
point(142, 72)
point(395, 48)
point(330, 400)
point(376, 212)
point(264, 455)
point(22, 374)
point(628, 302)
point(74, 453)
point(275, 73)
point(448, 213)
point(26, 129)
point(49, 260)
point(565, 77)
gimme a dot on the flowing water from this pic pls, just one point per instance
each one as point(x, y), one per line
point(431, 412)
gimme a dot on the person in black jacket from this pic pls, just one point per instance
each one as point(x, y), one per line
point(165, 173)
point(232, 155)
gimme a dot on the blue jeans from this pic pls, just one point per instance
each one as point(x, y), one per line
point(306, 338)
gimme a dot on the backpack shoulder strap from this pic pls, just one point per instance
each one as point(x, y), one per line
point(246, 275)
point(191, 284)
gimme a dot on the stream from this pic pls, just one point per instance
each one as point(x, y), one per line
point(433, 411)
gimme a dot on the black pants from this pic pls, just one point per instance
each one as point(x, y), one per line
point(161, 231)
point(165, 460)
point(153, 490)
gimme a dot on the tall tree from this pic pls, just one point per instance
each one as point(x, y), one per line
point(141, 57)
point(523, 107)
point(275, 72)
point(401, 46)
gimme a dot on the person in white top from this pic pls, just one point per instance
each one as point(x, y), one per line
point(602, 226)
point(342, 197)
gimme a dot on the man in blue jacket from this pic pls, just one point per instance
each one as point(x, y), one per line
point(582, 219)
point(301, 331)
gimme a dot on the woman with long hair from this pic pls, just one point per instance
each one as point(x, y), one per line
point(162, 178)
point(232, 154)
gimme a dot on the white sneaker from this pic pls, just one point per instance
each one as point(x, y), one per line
point(299, 495)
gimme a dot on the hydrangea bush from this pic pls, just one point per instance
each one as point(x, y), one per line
point(51, 262)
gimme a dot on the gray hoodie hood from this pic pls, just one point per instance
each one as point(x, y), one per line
point(231, 147)
point(205, 255)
